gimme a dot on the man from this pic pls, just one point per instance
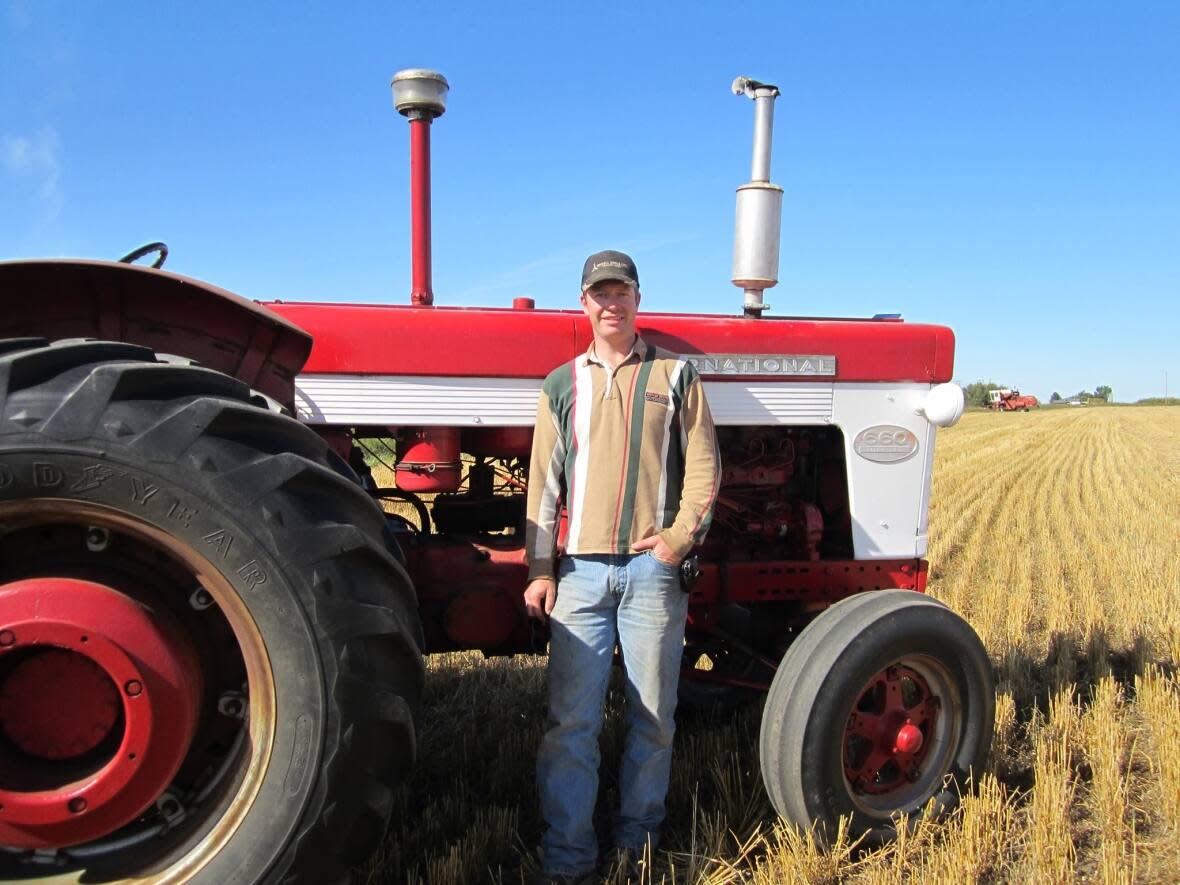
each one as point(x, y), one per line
point(625, 436)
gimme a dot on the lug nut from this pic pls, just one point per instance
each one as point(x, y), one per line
point(97, 539)
point(170, 807)
point(133, 687)
point(76, 805)
point(232, 704)
point(7, 638)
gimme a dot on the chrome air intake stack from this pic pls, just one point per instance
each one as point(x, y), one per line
point(759, 206)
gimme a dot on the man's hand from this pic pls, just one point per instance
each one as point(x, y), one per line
point(659, 550)
point(539, 597)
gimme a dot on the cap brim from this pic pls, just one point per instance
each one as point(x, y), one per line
point(601, 276)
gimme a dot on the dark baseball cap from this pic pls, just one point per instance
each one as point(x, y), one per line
point(609, 265)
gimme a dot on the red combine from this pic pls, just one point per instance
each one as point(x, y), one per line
point(1004, 400)
point(211, 632)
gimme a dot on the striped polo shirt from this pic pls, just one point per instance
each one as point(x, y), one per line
point(631, 453)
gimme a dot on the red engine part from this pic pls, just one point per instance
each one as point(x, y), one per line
point(483, 618)
point(470, 591)
point(812, 522)
point(772, 538)
point(470, 594)
point(499, 442)
point(813, 585)
point(100, 695)
point(428, 460)
point(775, 489)
point(756, 476)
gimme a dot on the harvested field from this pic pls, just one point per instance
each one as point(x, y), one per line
point(1055, 533)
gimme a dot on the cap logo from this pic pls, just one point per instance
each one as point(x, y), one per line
point(599, 264)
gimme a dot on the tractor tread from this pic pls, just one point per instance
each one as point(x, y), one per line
point(84, 407)
point(243, 422)
point(339, 498)
point(23, 368)
point(12, 345)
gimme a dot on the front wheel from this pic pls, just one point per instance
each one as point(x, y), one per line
point(883, 706)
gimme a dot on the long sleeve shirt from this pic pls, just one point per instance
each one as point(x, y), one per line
point(631, 451)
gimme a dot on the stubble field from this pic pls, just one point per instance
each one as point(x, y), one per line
point(1055, 533)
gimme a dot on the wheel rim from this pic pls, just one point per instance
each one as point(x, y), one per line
point(165, 604)
point(900, 735)
point(98, 699)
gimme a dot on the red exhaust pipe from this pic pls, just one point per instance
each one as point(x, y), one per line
point(420, 96)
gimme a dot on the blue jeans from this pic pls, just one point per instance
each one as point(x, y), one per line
point(635, 600)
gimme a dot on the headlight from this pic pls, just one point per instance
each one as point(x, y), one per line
point(943, 405)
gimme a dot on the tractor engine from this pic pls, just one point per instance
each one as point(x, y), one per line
point(460, 518)
point(783, 495)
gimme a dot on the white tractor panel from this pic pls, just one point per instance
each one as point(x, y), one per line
point(512, 402)
point(417, 400)
point(888, 500)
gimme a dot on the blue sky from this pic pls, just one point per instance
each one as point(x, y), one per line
point(1011, 170)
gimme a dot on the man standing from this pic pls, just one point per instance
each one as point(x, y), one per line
point(624, 435)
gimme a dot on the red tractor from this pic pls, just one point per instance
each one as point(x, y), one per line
point(211, 633)
point(1004, 400)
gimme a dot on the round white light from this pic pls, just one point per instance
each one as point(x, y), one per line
point(943, 405)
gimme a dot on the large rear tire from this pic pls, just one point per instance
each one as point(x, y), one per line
point(254, 569)
point(884, 705)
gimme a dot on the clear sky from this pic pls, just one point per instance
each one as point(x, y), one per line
point(1009, 169)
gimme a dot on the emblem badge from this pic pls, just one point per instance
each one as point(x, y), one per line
point(762, 364)
point(885, 444)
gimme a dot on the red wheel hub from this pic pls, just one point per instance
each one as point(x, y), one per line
point(58, 704)
point(889, 731)
point(99, 698)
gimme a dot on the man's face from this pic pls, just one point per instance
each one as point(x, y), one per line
point(611, 307)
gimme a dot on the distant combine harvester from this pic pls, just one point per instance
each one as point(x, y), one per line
point(1004, 400)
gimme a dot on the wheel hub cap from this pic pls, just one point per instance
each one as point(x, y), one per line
point(99, 698)
point(889, 730)
point(908, 740)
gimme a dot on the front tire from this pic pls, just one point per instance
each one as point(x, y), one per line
point(256, 569)
point(884, 705)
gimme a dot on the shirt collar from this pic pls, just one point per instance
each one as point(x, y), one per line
point(638, 350)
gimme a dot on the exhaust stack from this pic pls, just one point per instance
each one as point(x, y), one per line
point(758, 223)
point(420, 96)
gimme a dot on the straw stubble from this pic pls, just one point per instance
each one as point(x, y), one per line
point(1055, 533)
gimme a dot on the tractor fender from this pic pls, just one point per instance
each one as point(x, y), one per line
point(170, 313)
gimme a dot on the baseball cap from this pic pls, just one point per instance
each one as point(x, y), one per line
point(609, 265)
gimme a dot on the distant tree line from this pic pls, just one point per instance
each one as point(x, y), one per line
point(1102, 392)
point(1158, 401)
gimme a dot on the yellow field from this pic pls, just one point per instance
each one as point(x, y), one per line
point(1055, 533)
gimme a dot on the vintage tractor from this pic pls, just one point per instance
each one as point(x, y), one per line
point(211, 632)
